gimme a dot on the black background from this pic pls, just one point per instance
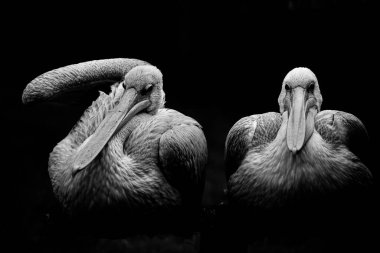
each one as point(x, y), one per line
point(220, 61)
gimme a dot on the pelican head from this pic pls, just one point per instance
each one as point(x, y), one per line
point(301, 98)
point(146, 82)
point(143, 92)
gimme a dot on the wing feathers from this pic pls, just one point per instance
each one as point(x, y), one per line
point(248, 132)
point(337, 127)
point(183, 156)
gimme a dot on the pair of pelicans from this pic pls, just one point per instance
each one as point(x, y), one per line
point(127, 152)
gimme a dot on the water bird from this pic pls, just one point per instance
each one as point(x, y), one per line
point(298, 166)
point(128, 158)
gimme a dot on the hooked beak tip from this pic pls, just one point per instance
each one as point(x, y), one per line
point(293, 149)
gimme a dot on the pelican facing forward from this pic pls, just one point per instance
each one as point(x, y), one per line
point(127, 153)
point(274, 159)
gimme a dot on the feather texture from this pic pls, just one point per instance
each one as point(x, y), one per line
point(249, 132)
point(183, 156)
point(77, 76)
point(266, 174)
point(162, 155)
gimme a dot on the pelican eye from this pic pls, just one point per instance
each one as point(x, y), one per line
point(287, 87)
point(147, 89)
point(311, 87)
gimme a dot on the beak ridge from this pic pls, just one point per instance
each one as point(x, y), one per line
point(296, 129)
point(113, 122)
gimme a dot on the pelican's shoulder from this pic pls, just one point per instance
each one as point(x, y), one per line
point(337, 127)
point(247, 133)
point(173, 117)
point(261, 126)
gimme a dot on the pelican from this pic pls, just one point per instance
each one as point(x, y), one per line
point(127, 154)
point(274, 160)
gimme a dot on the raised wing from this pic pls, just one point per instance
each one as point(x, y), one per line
point(183, 156)
point(338, 127)
point(249, 132)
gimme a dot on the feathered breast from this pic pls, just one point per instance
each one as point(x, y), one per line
point(270, 175)
point(126, 172)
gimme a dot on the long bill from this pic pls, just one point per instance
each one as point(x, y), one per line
point(115, 119)
point(296, 129)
